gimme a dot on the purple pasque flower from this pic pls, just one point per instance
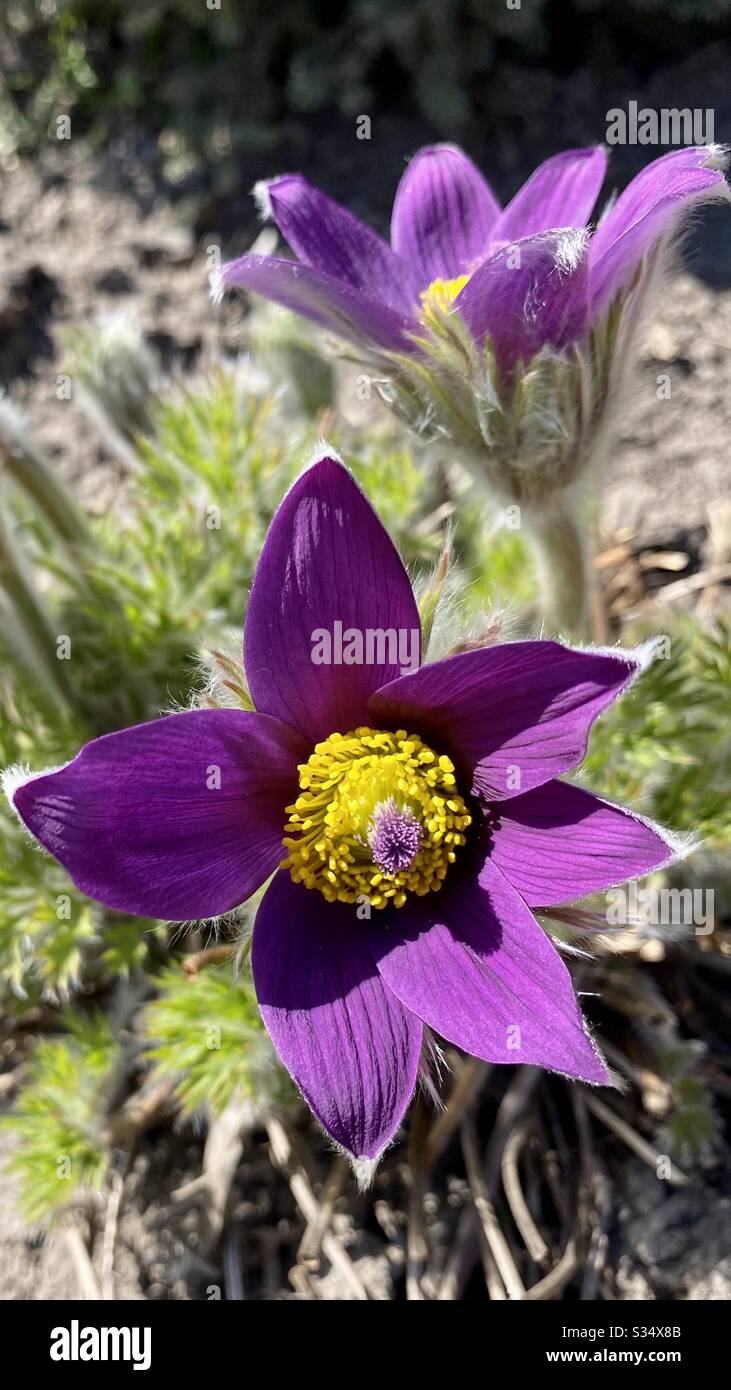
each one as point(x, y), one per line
point(504, 331)
point(525, 276)
point(412, 823)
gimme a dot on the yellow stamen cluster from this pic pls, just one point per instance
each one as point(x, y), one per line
point(342, 784)
point(439, 296)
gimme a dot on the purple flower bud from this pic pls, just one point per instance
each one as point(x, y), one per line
point(506, 331)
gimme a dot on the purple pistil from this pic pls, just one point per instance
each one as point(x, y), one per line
point(394, 837)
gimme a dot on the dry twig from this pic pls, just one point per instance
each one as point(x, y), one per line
point(110, 1235)
point(532, 1238)
point(635, 1142)
point(494, 1237)
point(315, 1230)
point(81, 1261)
point(301, 1188)
point(467, 1086)
point(417, 1248)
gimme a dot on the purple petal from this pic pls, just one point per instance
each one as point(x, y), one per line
point(474, 964)
point(442, 214)
point(351, 1047)
point(532, 294)
point(327, 237)
point(328, 566)
point(512, 716)
point(321, 298)
point(558, 843)
point(180, 818)
point(559, 193)
point(650, 208)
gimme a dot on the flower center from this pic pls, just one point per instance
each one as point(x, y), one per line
point(378, 817)
point(439, 296)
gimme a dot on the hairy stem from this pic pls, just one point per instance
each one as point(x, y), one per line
point(561, 549)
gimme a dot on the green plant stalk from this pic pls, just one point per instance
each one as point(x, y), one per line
point(560, 545)
point(51, 498)
point(34, 629)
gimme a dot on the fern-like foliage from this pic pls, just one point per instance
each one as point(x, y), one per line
point(666, 747)
point(60, 1151)
point(207, 1034)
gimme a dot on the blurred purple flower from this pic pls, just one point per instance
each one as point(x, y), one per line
point(422, 817)
point(525, 277)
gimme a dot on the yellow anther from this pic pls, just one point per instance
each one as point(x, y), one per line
point(439, 296)
point(345, 786)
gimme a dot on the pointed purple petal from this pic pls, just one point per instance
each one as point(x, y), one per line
point(321, 298)
point(650, 208)
point(327, 565)
point(351, 1047)
point(559, 842)
point(512, 716)
point(532, 294)
point(442, 214)
point(559, 193)
point(474, 964)
point(327, 237)
point(179, 818)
